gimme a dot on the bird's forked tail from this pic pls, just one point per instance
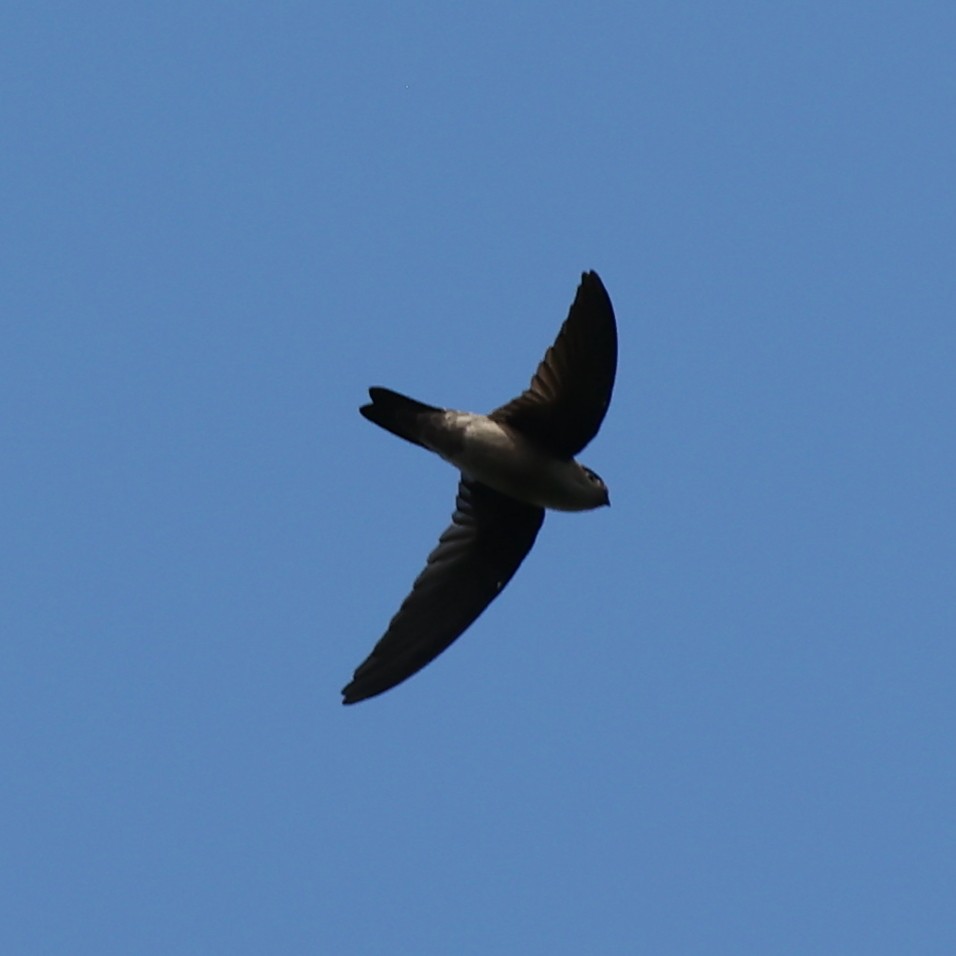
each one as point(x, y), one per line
point(398, 414)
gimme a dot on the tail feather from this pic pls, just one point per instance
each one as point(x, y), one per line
point(397, 413)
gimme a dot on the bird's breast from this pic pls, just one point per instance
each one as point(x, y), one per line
point(504, 460)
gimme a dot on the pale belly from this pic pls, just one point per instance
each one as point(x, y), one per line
point(495, 456)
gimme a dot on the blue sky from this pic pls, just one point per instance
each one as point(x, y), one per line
point(716, 718)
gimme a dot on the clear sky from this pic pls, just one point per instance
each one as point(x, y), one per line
point(717, 717)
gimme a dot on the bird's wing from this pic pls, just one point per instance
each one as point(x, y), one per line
point(476, 556)
point(565, 403)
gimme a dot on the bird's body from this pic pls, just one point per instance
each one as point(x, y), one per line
point(494, 454)
point(514, 463)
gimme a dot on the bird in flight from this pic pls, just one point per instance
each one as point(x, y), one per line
point(514, 463)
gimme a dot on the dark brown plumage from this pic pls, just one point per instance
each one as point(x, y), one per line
point(481, 549)
point(491, 532)
point(563, 407)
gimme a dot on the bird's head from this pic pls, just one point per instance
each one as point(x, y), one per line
point(598, 490)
